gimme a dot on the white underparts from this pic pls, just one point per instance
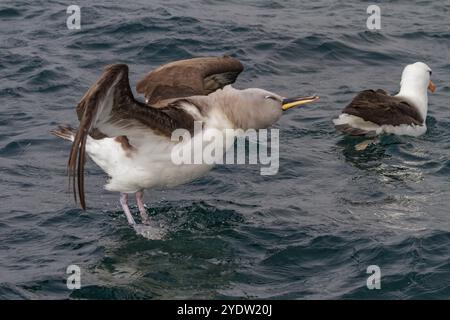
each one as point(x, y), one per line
point(359, 123)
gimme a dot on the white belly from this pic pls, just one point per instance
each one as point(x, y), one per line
point(357, 122)
point(148, 165)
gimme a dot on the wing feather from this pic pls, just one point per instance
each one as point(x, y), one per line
point(108, 109)
point(383, 109)
point(184, 78)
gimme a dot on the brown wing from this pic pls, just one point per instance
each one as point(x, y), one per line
point(198, 76)
point(109, 109)
point(381, 108)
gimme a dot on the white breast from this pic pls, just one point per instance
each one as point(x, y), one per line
point(150, 164)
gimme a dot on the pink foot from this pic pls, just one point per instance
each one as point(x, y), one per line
point(126, 209)
point(141, 206)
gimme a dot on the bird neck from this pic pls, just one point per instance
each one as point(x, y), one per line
point(416, 95)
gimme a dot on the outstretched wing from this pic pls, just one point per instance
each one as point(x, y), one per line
point(184, 78)
point(383, 109)
point(109, 109)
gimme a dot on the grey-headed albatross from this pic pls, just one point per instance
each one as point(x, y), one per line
point(131, 140)
point(372, 113)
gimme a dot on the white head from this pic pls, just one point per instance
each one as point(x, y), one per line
point(416, 79)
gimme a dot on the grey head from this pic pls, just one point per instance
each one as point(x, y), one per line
point(254, 108)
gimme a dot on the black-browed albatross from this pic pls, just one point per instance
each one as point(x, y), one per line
point(373, 112)
point(130, 140)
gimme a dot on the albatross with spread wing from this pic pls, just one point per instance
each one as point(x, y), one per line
point(131, 140)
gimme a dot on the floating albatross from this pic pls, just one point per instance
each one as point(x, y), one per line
point(131, 140)
point(372, 113)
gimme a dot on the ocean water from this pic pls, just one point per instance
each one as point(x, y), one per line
point(309, 232)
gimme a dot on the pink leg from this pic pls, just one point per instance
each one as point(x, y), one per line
point(142, 210)
point(126, 209)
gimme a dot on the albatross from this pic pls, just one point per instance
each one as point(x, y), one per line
point(374, 112)
point(131, 140)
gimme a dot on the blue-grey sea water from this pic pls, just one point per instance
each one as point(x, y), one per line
point(309, 232)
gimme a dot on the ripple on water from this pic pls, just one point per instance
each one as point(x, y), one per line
point(308, 232)
point(9, 13)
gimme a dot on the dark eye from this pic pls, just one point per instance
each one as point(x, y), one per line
point(431, 72)
point(271, 97)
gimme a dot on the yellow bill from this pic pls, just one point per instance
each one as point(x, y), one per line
point(295, 102)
